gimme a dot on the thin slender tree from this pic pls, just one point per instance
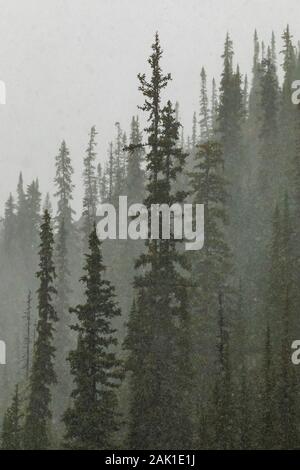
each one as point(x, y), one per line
point(42, 377)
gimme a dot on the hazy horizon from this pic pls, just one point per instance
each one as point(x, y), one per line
point(69, 64)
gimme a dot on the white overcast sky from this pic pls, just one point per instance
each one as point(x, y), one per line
point(70, 64)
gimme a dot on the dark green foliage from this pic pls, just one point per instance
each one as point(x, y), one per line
point(206, 368)
point(158, 329)
point(231, 118)
point(204, 111)
point(66, 259)
point(92, 418)
point(11, 427)
point(230, 108)
point(9, 223)
point(211, 267)
point(27, 339)
point(42, 377)
point(33, 199)
point(63, 183)
point(135, 174)
point(90, 198)
point(281, 313)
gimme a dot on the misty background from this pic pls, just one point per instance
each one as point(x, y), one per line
point(70, 64)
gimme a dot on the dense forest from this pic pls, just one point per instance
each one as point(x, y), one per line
point(132, 344)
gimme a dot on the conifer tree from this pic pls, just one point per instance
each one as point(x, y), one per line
point(119, 170)
point(22, 222)
point(254, 96)
point(212, 301)
point(204, 111)
point(288, 111)
point(194, 131)
point(92, 418)
point(21, 205)
point(42, 377)
point(135, 174)
point(245, 97)
point(268, 172)
point(102, 183)
point(63, 338)
point(47, 204)
point(230, 122)
point(33, 199)
point(9, 223)
point(63, 183)
point(193, 143)
point(158, 328)
point(263, 51)
point(110, 173)
point(66, 254)
point(11, 427)
point(226, 98)
point(289, 63)
point(90, 198)
point(273, 49)
point(66, 238)
point(214, 108)
point(124, 155)
point(268, 135)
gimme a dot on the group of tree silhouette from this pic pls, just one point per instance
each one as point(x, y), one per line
point(140, 344)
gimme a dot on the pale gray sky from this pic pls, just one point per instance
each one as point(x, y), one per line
point(70, 64)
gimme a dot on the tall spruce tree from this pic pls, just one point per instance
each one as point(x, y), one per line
point(289, 64)
point(268, 134)
point(194, 131)
point(90, 198)
point(33, 203)
point(212, 301)
point(23, 228)
point(214, 108)
point(92, 418)
point(64, 186)
point(21, 206)
point(254, 95)
point(48, 204)
point(225, 121)
point(42, 377)
point(158, 329)
point(66, 258)
point(230, 120)
point(110, 173)
point(288, 111)
point(9, 224)
point(119, 168)
point(204, 110)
